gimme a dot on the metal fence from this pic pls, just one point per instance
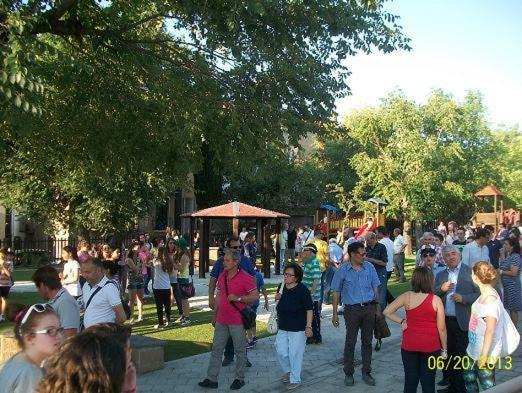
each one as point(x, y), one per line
point(48, 250)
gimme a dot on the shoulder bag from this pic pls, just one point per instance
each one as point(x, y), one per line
point(273, 323)
point(248, 315)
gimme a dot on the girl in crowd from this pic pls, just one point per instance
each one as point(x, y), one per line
point(423, 330)
point(510, 264)
point(294, 318)
point(115, 260)
point(105, 253)
point(38, 332)
point(71, 272)
point(6, 282)
point(135, 280)
point(83, 251)
point(175, 294)
point(163, 265)
point(87, 362)
point(485, 331)
point(182, 262)
point(145, 257)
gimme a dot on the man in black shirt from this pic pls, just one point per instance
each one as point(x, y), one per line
point(376, 254)
point(292, 237)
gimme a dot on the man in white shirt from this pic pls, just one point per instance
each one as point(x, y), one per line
point(101, 297)
point(384, 238)
point(477, 250)
point(243, 234)
point(399, 245)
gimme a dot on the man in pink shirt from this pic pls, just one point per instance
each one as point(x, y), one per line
point(238, 287)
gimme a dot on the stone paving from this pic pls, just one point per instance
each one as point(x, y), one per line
point(321, 371)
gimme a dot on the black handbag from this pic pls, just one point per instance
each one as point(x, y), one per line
point(248, 315)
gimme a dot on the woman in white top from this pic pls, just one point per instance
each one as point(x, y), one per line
point(39, 335)
point(485, 330)
point(71, 272)
point(163, 265)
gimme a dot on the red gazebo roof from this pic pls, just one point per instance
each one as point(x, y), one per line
point(489, 190)
point(236, 210)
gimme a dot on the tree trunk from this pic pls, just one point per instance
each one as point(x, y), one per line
point(208, 182)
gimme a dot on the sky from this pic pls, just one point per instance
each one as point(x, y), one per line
point(457, 46)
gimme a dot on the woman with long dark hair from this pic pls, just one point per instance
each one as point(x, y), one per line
point(163, 265)
point(173, 275)
point(71, 272)
point(182, 261)
point(135, 281)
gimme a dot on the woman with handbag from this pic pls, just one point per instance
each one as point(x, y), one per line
point(294, 316)
point(182, 261)
point(423, 330)
point(135, 282)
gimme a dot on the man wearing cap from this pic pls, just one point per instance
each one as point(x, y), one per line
point(427, 239)
point(428, 254)
point(357, 284)
point(312, 280)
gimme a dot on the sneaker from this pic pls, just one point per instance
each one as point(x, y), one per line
point(180, 319)
point(185, 322)
point(368, 379)
point(348, 380)
point(169, 324)
point(140, 319)
point(158, 327)
point(207, 383)
point(250, 344)
point(2, 318)
point(293, 386)
point(237, 384)
point(285, 378)
point(226, 362)
point(254, 339)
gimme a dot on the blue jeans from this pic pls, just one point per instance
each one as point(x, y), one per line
point(383, 288)
point(290, 347)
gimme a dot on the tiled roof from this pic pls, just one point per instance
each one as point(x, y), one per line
point(237, 210)
point(489, 190)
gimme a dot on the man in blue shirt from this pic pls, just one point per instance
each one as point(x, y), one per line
point(244, 264)
point(494, 247)
point(357, 284)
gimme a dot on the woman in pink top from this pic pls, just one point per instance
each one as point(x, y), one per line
point(424, 330)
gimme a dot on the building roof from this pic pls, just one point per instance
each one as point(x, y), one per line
point(489, 190)
point(236, 210)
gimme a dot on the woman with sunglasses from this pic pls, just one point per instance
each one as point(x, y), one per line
point(294, 319)
point(39, 335)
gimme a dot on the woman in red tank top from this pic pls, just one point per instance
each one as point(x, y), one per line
point(424, 331)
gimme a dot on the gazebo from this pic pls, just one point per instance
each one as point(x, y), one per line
point(235, 211)
point(491, 218)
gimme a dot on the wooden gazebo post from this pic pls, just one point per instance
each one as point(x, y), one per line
point(278, 246)
point(265, 241)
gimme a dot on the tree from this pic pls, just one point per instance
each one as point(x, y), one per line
point(426, 161)
point(186, 87)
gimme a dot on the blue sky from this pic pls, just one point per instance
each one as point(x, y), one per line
point(458, 45)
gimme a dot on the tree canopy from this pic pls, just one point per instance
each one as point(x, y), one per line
point(107, 106)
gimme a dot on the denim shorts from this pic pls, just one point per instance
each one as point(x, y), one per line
point(135, 286)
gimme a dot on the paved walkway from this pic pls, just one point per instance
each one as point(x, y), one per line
point(321, 371)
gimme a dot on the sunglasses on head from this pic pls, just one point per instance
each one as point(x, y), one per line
point(431, 254)
point(39, 307)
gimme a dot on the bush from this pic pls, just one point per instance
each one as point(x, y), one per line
point(34, 258)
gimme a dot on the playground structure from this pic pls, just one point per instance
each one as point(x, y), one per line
point(330, 220)
point(499, 215)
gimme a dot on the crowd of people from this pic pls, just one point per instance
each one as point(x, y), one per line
point(461, 285)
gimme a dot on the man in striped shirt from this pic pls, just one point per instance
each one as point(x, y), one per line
point(312, 280)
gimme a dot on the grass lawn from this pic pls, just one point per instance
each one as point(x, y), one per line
point(23, 274)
